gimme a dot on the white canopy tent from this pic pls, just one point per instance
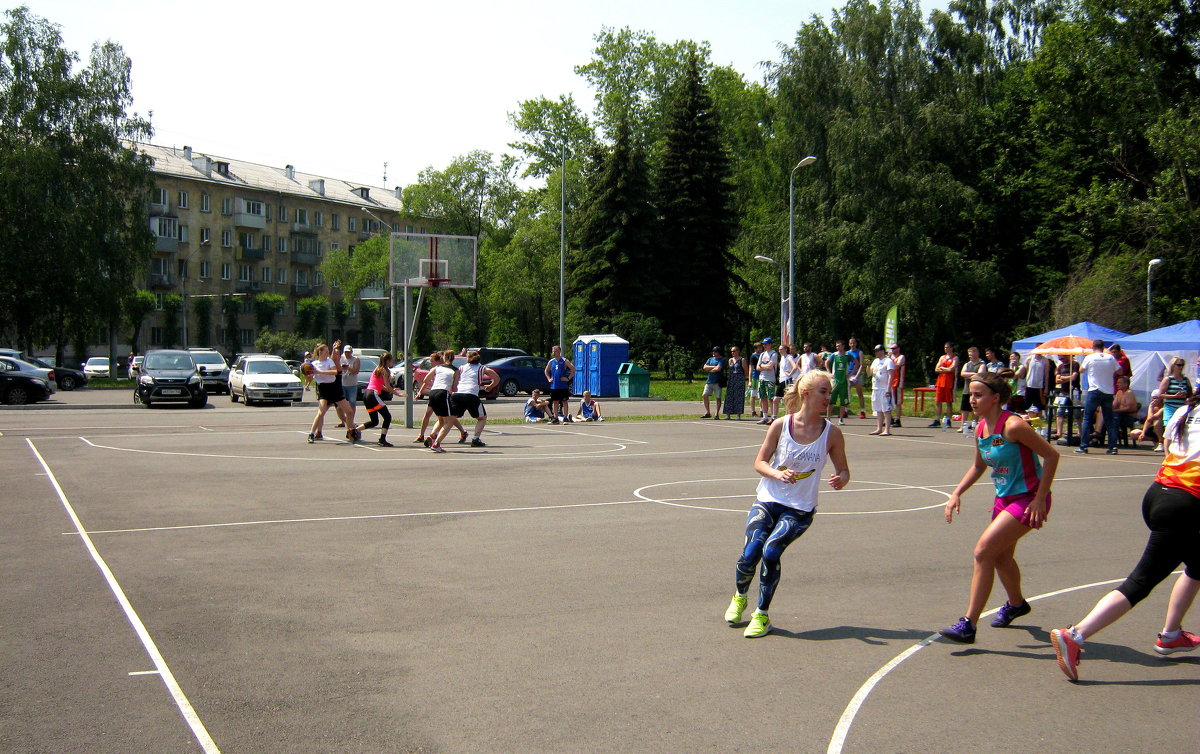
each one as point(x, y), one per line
point(1149, 352)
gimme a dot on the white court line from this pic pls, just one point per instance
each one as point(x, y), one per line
point(888, 487)
point(838, 740)
point(181, 701)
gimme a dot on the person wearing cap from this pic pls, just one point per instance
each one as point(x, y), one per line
point(715, 367)
point(768, 369)
point(350, 365)
point(882, 369)
point(897, 382)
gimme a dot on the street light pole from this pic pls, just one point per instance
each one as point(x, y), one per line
point(791, 321)
point(1149, 276)
point(782, 301)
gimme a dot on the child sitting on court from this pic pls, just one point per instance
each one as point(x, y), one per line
point(536, 408)
point(589, 409)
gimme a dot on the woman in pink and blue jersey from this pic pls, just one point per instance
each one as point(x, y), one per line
point(1023, 466)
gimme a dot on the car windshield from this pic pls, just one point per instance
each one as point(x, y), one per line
point(98, 361)
point(267, 367)
point(208, 358)
point(169, 361)
point(38, 363)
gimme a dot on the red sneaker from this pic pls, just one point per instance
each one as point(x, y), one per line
point(1185, 642)
point(1067, 651)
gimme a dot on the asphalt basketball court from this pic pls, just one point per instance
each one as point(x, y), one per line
point(181, 581)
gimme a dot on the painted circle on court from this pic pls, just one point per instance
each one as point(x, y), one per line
point(706, 502)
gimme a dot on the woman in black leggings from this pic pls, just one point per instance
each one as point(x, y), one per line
point(1171, 509)
point(380, 383)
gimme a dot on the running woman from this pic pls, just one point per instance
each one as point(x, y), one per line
point(1171, 510)
point(437, 384)
point(791, 461)
point(1007, 444)
point(380, 383)
point(464, 396)
point(329, 393)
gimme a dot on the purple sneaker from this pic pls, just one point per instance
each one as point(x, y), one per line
point(962, 632)
point(1009, 613)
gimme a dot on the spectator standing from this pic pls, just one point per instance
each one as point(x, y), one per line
point(856, 377)
point(559, 373)
point(350, 365)
point(841, 365)
point(735, 390)
point(974, 366)
point(992, 361)
point(1175, 388)
point(882, 369)
point(898, 378)
point(1066, 380)
point(1101, 369)
point(789, 368)
point(1123, 360)
point(752, 386)
point(1015, 372)
point(768, 371)
point(946, 370)
point(1171, 510)
point(715, 367)
point(808, 360)
point(1037, 380)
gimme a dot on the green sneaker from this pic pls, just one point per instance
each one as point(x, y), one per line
point(760, 625)
point(737, 606)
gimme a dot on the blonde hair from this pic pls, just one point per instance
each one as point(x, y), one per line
point(793, 398)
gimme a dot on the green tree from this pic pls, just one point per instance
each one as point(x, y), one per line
point(266, 307)
point(202, 309)
point(172, 304)
point(231, 307)
point(138, 304)
point(313, 316)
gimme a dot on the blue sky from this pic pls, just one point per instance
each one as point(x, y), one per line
point(337, 89)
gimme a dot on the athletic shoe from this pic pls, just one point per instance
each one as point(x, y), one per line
point(319, 436)
point(962, 632)
point(862, 414)
point(1111, 451)
point(437, 448)
point(718, 416)
point(841, 422)
point(554, 421)
point(311, 438)
point(1008, 613)
point(463, 439)
point(350, 436)
point(1185, 642)
point(764, 420)
point(934, 424)
point(428, 442)
point(896, 423)
point(1067, 650)
point(384, 443)
point(357, 434)
point(477, 443)
point(420, 438)
point(1081, 451)
point(737, 606)
point(569, 420)
point(760, 625)
point(705, 416)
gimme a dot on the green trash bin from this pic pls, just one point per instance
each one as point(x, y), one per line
point(633, 381)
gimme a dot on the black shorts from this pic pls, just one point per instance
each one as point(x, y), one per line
point(560, 393)
point(467, 403)
point(780, 389)
point(439, 401)
point(330, 391)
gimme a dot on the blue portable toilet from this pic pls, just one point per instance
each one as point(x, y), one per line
point(606, 354)
point(581, 351)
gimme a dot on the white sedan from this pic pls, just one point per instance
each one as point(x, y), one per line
point(97, 366)
point(263, 378)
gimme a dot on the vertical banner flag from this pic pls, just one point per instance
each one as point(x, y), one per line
point(891, 327)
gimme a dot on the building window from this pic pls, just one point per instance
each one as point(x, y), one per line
point(301, 277)
point(156, 336)
point(183, 200)
point(226, 270)
point(302, 217)
point(204, 237)
point(319, 250)
point(246, 240)
point(205, 203)
point(282, 279)
point(252, 207)
point(282, 214)
point(318, 279)
point(335, 221)
point(183, 234)
point(158, 301)
point(266, 243)
point(168, 227)
point(227, 238)
point(351, 223)
point(182, 268)
point(206, 269)
point(408, 229)
point(159, 197)
point(319, 219)
point(266, 274)
point(353, 309)
point(334, 245)
point(282, 245)
point(246, 336)
point(227, 206)
point(245, 273)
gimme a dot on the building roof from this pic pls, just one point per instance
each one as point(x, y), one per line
point(184, 162)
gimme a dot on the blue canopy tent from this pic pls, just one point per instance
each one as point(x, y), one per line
point(1148, 353)
point(1084, 329)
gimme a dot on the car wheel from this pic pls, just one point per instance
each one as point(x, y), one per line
point(510, 388)
point(68, 382)
point(232, 397)
point(200, 401)
point(147, 404)
point(246, 398)
point(17, 396)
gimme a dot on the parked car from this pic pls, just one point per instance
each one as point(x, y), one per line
point(521, 374)
point(21, 382)
point(262, 377)
point(216, 371)
point(170, 376)
point(421, 368)
point(12, 353)
point(97, 366)
point(488, 354)
point(135, 366)
point(65, 378)
point(366, 365)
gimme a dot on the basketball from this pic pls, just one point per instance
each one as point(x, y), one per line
point(306, 369)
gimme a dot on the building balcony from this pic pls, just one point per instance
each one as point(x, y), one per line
point(247, 220)
point(373, 292)
point(166, 244)
point(158, 210)
point(159, 281)
point(249, 254)
point(303, 229)
point(248, 286)
point(301, 289)
point(306, 257)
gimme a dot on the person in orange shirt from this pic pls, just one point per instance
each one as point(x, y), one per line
point(946, 371)
point(1171, 510)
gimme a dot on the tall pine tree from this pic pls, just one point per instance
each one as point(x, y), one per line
point(696, 219)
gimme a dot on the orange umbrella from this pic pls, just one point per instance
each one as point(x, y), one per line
point(1066, 345)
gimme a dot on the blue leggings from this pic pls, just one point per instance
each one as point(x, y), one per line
point(770, 528)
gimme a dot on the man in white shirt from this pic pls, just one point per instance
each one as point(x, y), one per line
point(768, 366)
point(350, 365)
point(1037, 373)
point(1101, 368)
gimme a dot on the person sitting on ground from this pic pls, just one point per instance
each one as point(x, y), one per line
point(536, 408)
point(589, 409)
point(1152, 428)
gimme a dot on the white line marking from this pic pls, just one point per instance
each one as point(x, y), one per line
point(889, 485)
point(144, 672)
point(860, 697)
point(181, 700)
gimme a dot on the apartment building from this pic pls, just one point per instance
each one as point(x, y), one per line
point(228, 228)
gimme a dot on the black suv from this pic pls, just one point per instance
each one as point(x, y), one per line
point(170, 376)
point(487, 354)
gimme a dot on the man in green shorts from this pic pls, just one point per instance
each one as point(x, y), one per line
point(841, 365)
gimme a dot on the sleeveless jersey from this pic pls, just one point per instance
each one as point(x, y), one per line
point(376, 382)
point(840, 366)
point(558, 372)
point(1181, 468)
point(469, 378)
point(443, 378)
point(1015, 468)
point(587, 410)
point(806, 460)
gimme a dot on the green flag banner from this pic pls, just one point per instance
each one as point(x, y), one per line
point(891, 327)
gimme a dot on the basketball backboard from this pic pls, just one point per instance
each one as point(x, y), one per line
point(430, 260)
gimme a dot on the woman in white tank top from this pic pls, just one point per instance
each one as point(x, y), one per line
point(790, 461)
